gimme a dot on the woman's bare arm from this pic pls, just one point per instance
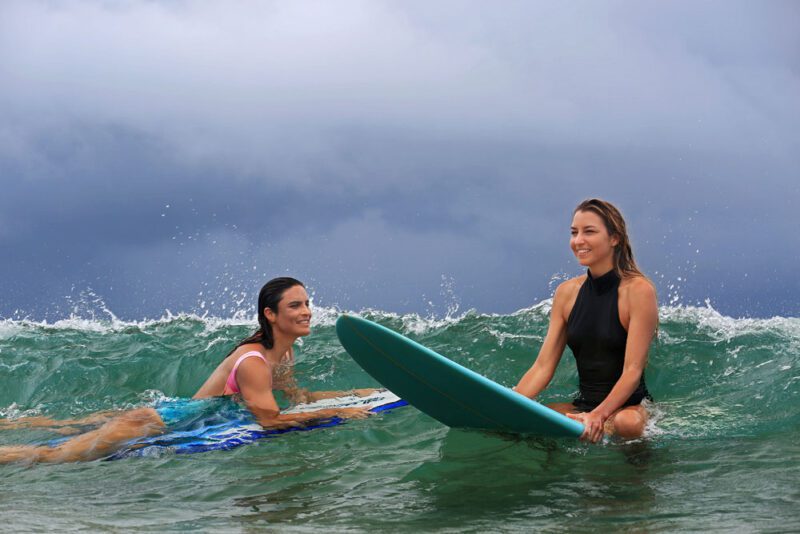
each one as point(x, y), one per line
point(539, 375)
point(255, 384)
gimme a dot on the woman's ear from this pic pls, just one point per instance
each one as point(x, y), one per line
point(270, 315)
point(614, 240)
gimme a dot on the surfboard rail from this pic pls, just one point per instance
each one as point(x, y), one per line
point(447, 391)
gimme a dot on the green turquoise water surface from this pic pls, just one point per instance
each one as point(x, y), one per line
point(721, 452)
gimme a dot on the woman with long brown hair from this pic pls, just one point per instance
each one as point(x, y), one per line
point(607, 317)
point(251, 373)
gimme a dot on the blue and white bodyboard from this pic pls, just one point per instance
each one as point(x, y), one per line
point(238, 432)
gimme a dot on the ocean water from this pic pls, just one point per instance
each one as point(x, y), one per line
point(721, 454)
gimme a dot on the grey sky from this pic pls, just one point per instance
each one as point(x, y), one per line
point(396, 155)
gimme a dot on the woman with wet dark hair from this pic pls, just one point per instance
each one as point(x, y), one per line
point(252, 371)
point(284, 316)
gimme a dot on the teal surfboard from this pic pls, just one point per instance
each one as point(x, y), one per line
point(443, 389)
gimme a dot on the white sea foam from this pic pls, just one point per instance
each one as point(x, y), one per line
point(13, 412)
point(541, 309)
point(706, 319)
point(724, 328)
point(502, 337)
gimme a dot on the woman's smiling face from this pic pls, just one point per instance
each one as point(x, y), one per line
point(294, 313)
point(590, 242)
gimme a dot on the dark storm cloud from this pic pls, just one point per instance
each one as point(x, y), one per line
point(391, 153)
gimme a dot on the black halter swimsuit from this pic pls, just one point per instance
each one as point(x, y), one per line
point(597, 339)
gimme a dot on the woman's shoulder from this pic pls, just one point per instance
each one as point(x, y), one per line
point(637, 283)
point(565, 295)
point(246, 349)
point(638, 288)
point(570, 286)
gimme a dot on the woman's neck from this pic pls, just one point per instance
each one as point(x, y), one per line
point(280, 347)
point(598, 271)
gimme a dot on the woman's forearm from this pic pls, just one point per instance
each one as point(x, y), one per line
point(622, 390)
point(320, 395)
point(283, 420)
point(289, 420)
point(304, 395)
point(533, 382)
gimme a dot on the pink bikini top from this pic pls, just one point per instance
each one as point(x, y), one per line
point(231, 384)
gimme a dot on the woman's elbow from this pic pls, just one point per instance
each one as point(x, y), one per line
point(266, 415)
